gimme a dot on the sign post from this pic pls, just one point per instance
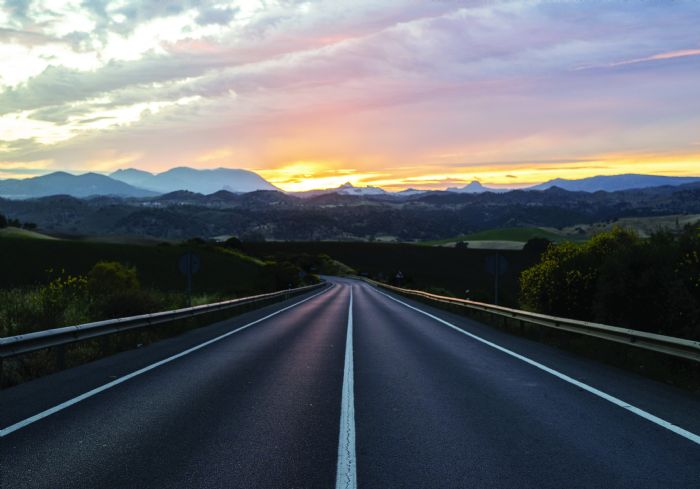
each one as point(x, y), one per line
point(497, 266)
point(189, 265)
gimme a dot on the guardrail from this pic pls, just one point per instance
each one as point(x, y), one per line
point(26, 343)
point(669, 345)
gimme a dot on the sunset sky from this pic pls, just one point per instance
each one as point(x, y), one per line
point(423, 94)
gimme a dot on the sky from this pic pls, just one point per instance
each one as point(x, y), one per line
point(398, 94)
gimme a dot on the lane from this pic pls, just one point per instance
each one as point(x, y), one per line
point(24, 400)
point(257, 409)
point(435, 408)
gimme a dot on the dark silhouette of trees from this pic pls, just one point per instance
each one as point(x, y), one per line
point(621, 279)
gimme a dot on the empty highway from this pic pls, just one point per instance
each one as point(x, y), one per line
point(349, 386)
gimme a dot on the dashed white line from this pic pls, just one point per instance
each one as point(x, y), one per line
point(612, 399)
point(346, 474)
point(60, 407)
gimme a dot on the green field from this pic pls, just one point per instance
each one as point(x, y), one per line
point(503, 234)
point(32, 262)
point(12, 232)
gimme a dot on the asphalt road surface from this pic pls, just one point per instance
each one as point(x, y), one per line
point(348, 387)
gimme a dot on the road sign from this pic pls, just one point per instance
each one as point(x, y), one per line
point(496, 263)
point(189, 263)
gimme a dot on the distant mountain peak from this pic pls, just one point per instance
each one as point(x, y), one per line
point(614, 183)
point(203, 181)
point(63, 183)
point(473, 187)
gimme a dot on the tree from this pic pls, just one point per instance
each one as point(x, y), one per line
point(462, 245)
point(233, 243)
point(536, 246)
point(620, 279)
point(109, 277)
point(564, 282)
point(3, 221)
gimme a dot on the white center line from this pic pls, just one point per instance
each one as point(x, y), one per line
point(614, 400)
point(97, 390)
point(346, 475)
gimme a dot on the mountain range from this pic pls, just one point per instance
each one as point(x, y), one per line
point(85, 185)
point(138, 184)
point(192, 180)
point(274, 215)
point(614, 183)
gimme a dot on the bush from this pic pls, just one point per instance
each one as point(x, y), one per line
point(620, 279)
point(233, 243)
point(110, 277)
point(127, 302)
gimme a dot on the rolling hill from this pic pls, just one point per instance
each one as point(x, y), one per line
point(62, 183)
point(193, 180)
point(614, 183)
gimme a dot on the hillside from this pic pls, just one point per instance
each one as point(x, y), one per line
point(13, 232)
point(61, 183)
point(194, 180)
point(614, 183)
point(520, 235)
point(273, 215)
point(28, 262)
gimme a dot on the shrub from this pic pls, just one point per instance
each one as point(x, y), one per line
point(620, 279)
point(233, 243)
point(110, 277)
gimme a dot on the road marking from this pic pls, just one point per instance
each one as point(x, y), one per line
point(60, 407)
point(346, 474)
point(614, 400)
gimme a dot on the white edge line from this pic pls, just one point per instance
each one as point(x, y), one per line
point(612, 399)
point(346, 473)
point(60, 407)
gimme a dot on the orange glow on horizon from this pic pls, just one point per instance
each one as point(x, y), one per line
point(303, 175)
point(306, 175)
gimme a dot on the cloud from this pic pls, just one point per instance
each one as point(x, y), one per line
point(438, 86)
point(681, 53)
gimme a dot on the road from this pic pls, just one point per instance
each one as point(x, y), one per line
point(348, 387)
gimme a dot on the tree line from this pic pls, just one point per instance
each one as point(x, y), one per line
point(7, 222)
point(618, 278)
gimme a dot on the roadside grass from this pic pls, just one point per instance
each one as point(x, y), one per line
point(46, 284)
point(22, 368)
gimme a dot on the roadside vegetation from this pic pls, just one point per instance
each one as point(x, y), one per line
point(457, 272)
point(46, 284)
point(50, 283)
point(621, 279)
